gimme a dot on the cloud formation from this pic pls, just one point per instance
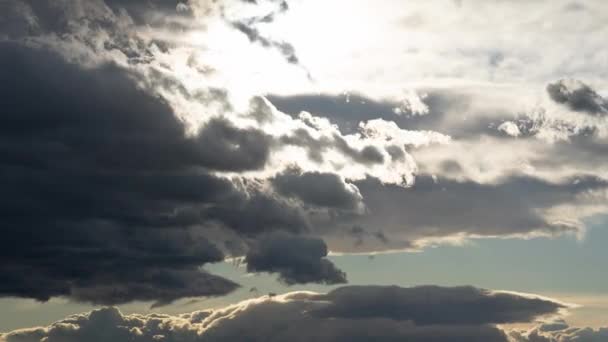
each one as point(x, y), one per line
point(501, 170)
point(426, 313)
point(318, 189)
point(559, 331)
point(578, 96)
point(126, 146)
point(297, 260)
point(108, 171)
point(93, 174)
point(248, 26)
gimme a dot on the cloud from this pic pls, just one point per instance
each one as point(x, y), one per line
point(248, 27)
point(578, 96)
point(126, 146)
point(318, 189)
point(559, 331)
point(435, 208)
point(102, 177)
point(346, 110)
point(434, 305)
point(227, 148)
point(427, 313)
point(286, 49)
point(297, 260)
point(101, 180)
point(86, 30)
point(467, 160)
point(509, 128)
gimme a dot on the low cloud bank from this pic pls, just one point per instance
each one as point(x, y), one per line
point(353, 313)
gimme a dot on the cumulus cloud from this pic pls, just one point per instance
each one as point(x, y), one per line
point(510, 128)
point(426, 313)
point(326, 190)
point(296, 259)
point(557, 151)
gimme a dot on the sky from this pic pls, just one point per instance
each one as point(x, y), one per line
point(295, 170)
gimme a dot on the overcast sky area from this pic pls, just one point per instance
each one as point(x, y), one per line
point(303, 170)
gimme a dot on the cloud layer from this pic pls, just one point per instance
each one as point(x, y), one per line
point(127, 145)
point(427, 313)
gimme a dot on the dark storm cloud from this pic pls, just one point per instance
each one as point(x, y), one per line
point(577, 96)
point(362, 313)
point(258, 213)
point(297, 260)
point(318, 189)
point(103, 192)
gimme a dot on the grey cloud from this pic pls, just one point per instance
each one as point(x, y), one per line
point(368, 155)
point(362, 235)
point(433, 305)
point(583, 151)
point(100, 179)
point(228, 148)
point(249, 29)
point(142, 10)
point(463, 114)
point(257, 213)
point(98, 25)
point(344, 110)
point(574, 6)
point(577, 96)
point(161, 286)
point(442, 207)
point(446, 108)
point(318, 189)
point(302, 138)
point(457, 201)
point(429, 314)
point(286, 49)
point(297, 260)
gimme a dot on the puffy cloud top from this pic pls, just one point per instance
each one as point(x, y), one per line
point(346, 314)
